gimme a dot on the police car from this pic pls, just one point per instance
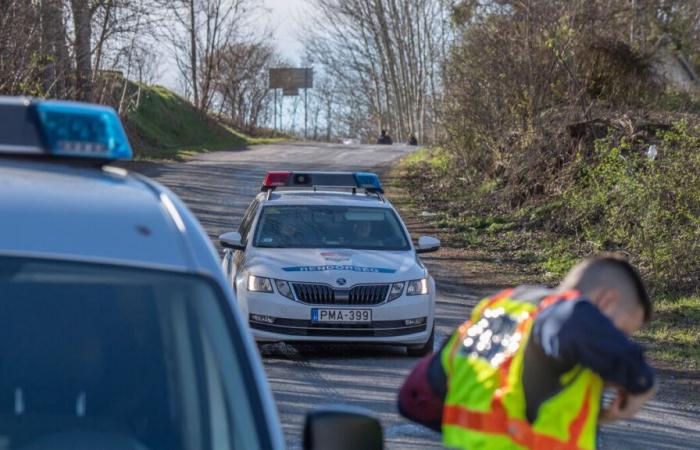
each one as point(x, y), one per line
point(117, 326)
point(324, 257)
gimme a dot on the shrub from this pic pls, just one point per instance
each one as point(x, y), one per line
point(624, 200)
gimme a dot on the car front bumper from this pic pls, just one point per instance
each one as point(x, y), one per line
point(292, 320)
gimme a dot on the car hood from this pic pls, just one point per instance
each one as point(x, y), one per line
point(330, 266)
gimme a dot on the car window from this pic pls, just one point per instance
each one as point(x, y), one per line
point(120, 358)
point(248, 218)
point(314, 226)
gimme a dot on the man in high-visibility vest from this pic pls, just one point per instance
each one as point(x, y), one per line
point(528, 369)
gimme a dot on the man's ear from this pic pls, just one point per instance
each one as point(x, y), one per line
point(607, 298)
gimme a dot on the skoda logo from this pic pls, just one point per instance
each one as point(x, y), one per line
point(341, 281)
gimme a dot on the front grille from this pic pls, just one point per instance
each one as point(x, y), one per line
point(322, 294)
point(380, 328)
point(370, 294)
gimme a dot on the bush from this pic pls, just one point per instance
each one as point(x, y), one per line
point(623, 199)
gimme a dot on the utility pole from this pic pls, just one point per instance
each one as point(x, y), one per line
point(275, 111)
point(306, 99)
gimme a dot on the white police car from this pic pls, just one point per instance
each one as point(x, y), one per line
point(324, 257)
point(117, 326)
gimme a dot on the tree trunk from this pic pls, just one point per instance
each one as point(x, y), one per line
point(193, 53)
point(101, 40)
point(82, 49)
point(53, 49)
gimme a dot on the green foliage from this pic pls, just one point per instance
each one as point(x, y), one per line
point(622, 200)
point(166, 125)
point(559, 257)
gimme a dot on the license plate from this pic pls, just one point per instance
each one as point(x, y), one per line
point(341, 315)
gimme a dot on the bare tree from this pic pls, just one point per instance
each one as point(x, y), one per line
point(240, 81)
point(388, 52)
point(201, 29)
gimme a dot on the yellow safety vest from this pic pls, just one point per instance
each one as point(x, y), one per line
point(485, 403)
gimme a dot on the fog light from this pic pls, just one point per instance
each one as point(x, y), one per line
point(260, 318)
point(418, 321)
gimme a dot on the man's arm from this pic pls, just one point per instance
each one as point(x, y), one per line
point(423, 392)
point(626, 406)
point(576, 332)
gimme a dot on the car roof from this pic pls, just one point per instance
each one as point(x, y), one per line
point(73, 210)
point(324, 198)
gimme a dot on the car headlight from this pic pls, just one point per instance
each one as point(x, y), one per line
point(417, 287)
point(396, 290)
point(284, 289)
point(259, 284)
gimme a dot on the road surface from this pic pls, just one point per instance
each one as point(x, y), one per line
point(218, 186)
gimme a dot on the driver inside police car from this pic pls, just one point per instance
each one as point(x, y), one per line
point(362, 230)
point(573, 341)
point(288, 232)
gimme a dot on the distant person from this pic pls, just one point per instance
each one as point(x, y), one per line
point(528, 369)
point(384, 138)
point(413, 140)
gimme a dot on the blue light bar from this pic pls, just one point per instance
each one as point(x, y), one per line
point(369, 181)
point(82, 130)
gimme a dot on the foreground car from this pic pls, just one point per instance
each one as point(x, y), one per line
point(324, 257)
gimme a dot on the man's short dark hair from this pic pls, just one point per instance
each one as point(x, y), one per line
point(633, 275)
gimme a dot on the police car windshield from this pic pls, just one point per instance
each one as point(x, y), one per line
point(314, 226)
point(106, 357)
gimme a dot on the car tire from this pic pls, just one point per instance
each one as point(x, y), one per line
point(422, 349)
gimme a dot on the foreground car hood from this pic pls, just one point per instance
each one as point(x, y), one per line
point(327, 266)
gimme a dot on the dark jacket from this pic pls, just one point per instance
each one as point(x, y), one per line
point(384, 139)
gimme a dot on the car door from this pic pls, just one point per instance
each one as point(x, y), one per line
point(233, 259)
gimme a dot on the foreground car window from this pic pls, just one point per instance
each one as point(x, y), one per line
point(330, 227)
point(103, 357)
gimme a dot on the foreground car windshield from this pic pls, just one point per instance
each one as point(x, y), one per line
point(302, 226)
point(106, 357)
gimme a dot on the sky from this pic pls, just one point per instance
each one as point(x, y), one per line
point(286, 19)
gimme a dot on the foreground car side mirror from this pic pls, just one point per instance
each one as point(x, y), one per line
point(232, 239)
point(342, 428)
point(427, 244)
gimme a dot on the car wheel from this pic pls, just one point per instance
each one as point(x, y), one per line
point(422, 349)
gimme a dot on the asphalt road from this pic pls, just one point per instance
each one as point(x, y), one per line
point(218, 186)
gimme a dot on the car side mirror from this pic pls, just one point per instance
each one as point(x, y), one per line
point(232, 239)
point(427, 244)
point(342, 428)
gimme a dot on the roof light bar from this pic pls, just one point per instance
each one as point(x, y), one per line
point(82, 130)
point(363, 180)
point(369, 181)
point(62, 128)
point(276, 179)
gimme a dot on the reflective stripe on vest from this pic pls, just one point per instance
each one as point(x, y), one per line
point(520, 431)
point(496, 421)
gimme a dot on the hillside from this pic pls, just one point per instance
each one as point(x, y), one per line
point(167, 126)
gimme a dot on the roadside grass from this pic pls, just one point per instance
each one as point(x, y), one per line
point(673, 336)
point(167, 126)
point(674, 332)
